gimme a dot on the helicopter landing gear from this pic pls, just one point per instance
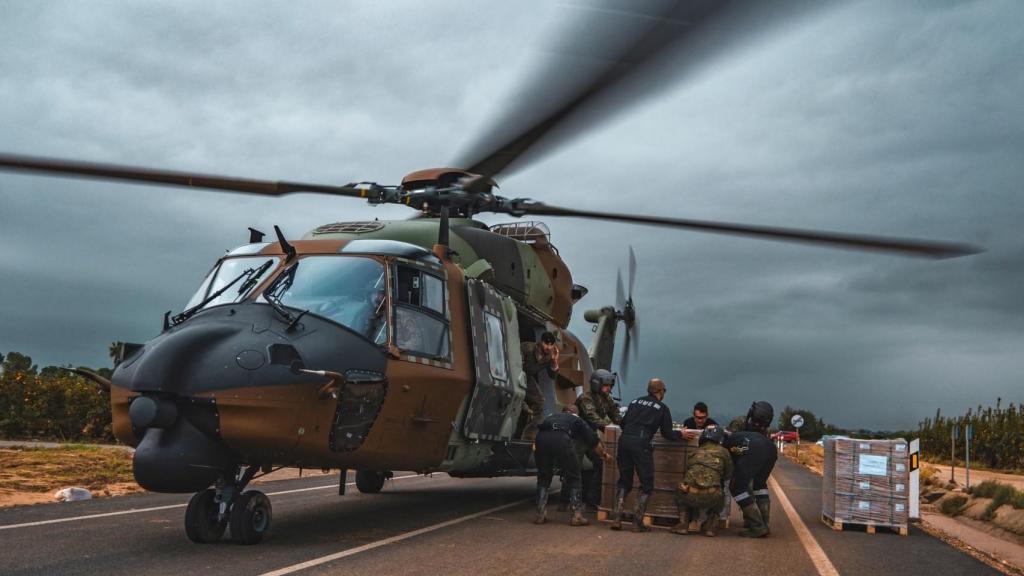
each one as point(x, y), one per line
point(371, 481)
point(202, 518)
point(250, 517)
point(211, 511)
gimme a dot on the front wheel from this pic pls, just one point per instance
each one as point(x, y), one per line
point(202, 524)
point(250, 517)
point(370, 481)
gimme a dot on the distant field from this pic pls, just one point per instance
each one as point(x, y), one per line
point(29, 475)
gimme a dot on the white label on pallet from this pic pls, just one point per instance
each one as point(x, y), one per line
point(865, 446)
point(899, 507)
point(864, 505)
point(899, 487)
point(873, 465)
point(864, 485)
point(901, 467)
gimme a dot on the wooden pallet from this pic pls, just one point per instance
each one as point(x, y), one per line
point(666, 522)
point(840, 526)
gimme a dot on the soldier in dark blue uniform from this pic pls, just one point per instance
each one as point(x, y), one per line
point(555, 445)
point(644, 417)
point(754, 456)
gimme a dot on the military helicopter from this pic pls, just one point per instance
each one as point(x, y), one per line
point(395, 345)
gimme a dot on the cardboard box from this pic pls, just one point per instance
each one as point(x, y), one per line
point(670, 460)
point(866, 481)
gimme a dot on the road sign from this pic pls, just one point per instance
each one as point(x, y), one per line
point(797, 420)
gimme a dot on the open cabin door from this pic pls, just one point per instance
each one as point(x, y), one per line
point(500, 384)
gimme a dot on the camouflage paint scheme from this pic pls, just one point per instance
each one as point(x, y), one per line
point(420, 422)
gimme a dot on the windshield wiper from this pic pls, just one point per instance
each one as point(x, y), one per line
point(252, 273)
point(283, 282)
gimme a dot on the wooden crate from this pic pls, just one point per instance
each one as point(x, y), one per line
point(670, 460)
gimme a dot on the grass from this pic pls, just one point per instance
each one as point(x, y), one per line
point(953, 505)
point(47, 469)
point(1001, 494)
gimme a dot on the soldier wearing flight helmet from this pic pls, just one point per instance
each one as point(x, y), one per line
point(754, 457)
point(598, 409)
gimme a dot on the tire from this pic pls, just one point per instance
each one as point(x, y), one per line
point(370, 481)
point(250, 517)
point(201, 523)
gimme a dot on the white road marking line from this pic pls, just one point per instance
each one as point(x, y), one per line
point(818, 556)
point(168, 507)
point(403, 536)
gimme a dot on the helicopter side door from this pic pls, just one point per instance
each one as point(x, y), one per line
point(500, 383)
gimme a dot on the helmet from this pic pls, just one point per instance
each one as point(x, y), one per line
point(760, 415)
point(601, 378)
point(712, 434)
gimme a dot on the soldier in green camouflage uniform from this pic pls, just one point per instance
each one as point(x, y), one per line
point(701, 489)
point(538, 357)
point(598, 409)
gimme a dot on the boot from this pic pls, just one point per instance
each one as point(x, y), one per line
point(638, 512)
point(542, 504)
point(755, 523)
point(576, 506)
point(683, 527)
point(709, 525)
point(764, 505)
point(620, 497)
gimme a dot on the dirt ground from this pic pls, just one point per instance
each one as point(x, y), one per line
point(32, 475)
point(810, 456)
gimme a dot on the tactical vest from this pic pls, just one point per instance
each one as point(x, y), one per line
point(705, 469)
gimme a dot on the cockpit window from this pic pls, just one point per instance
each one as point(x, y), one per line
point(349, 290)
point(228, 270)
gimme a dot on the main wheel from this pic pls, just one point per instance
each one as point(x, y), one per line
point(250, 517)
point(370, 481)
point(201, 523)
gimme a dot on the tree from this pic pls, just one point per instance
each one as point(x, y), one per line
point(813, 428)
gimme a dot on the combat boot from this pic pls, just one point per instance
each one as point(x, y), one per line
point(755, 523)
point(638, 512)
point(542, 504)
point(683, 527)
point(764, 505)
point(576, 507)
point(620, 497)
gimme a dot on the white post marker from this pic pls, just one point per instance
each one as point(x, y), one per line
point(915, 478)
point(967, 454)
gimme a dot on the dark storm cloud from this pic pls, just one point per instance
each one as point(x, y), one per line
point(873, 117)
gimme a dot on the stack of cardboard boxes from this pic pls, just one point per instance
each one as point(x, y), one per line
point(866, 482)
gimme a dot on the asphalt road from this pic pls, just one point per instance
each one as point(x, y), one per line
point(442, 525)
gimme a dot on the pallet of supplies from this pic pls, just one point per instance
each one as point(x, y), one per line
point(865, 483)
point(670, 460)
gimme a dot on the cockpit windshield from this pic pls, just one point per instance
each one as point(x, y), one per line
point(349, 290)
point(229, 270)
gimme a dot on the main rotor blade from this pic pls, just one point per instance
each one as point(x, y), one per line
point(624, 362)
point(619, 52)
point(902, 246)
point(632, 272)
point(77, 169)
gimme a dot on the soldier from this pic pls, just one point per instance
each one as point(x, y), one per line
point(554, 445)
point(598, 409)
point(540, 356)
point(644, 416)
point(702, 487)
point(754, 457)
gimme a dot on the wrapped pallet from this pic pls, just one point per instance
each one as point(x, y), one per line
point(865, 482)
point(670, 459)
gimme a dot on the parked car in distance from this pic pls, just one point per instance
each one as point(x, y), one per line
point(785, 436)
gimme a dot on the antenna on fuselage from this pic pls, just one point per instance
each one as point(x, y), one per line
point(285, 246)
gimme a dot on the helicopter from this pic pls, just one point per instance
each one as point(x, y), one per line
point(389, 345)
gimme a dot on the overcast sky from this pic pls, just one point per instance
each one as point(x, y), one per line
point(889, 118)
